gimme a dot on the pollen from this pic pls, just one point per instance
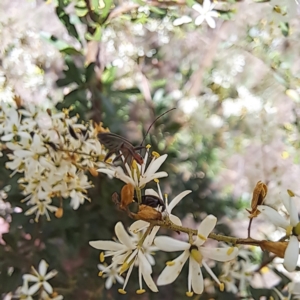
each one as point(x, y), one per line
point(134, 165)
point(291, 193)
point(102, 257)
point(289, 230)
point(196, 255)
point(230, 250)
point(100, 274)
point(221, 287)
point(148, 146)
point(156, 180)
point(202, 237)
point(189, 294)
point(264, 270)
point(124, 268)
point(140, 291)
point(121, 291)
point(59, 213)
point(170, 263)
point(155, 154)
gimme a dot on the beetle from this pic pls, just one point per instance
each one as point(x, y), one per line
point(116, 143)
point(153, 201)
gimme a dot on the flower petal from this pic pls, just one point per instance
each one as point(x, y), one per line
point(291, 254)
point(293, 211)
point(273, 216)
point(34, 288)
point(123, 236)
point(175, 220)
point(210, 21)
point(171, 272)
point(182, 20)
point(48, 288)
point(199, 20)
point(207, 5)
point(138, 226)
point(219, 254)
point(196, 276)
point(204, 229)
point(198, 8)
point(51, 274)
point(169, 244)
point(151, 192)
point(106, 245)
point(155, 165)
point(43, 266)
point(146, 270)
point(176, 200)
point(109, 282)
point(30, 277)
point(144, 180)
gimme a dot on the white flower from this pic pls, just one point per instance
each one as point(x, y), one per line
point(292, 251)
point(140, 224)
point(240, 271)
point(40, 278)
point(45, 296)
point(41, 208)
point(196, 254)
point(111, 273)
point(182, 20)
point(139, 175)
point(127, 253)
point(206, 13)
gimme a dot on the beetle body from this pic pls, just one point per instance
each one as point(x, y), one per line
point(115, 143)
point(153, 201)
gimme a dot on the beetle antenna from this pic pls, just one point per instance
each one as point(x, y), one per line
point(154, 122)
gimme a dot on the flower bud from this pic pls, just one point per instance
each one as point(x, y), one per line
point(277, 248)
point(259, 194)
point(147, 212)
point(127, 193)
point(59, 213)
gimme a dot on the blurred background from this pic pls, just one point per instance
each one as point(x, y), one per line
point(236, 89)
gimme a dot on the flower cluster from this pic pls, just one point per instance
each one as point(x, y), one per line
point(291, 227)
point(136, 250)
point(53, 152)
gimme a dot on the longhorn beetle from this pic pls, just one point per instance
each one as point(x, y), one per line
point(115, 143)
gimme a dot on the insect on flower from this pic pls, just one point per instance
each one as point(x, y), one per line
point(116, 144)
point(153, 201)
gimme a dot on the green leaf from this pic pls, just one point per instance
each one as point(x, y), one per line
point(63, 82)
point(157, 10)
point(285, 28)
point(226, 15)
point(95, 6)
point(65, 19)
point(106, 9)
point(81, 9)
point(279, 78)
point(61, 45)
point(190, 3)
point(70, 51)
point(109, 75)
point(96, 36)
point(140, 2)
point(90, 72)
